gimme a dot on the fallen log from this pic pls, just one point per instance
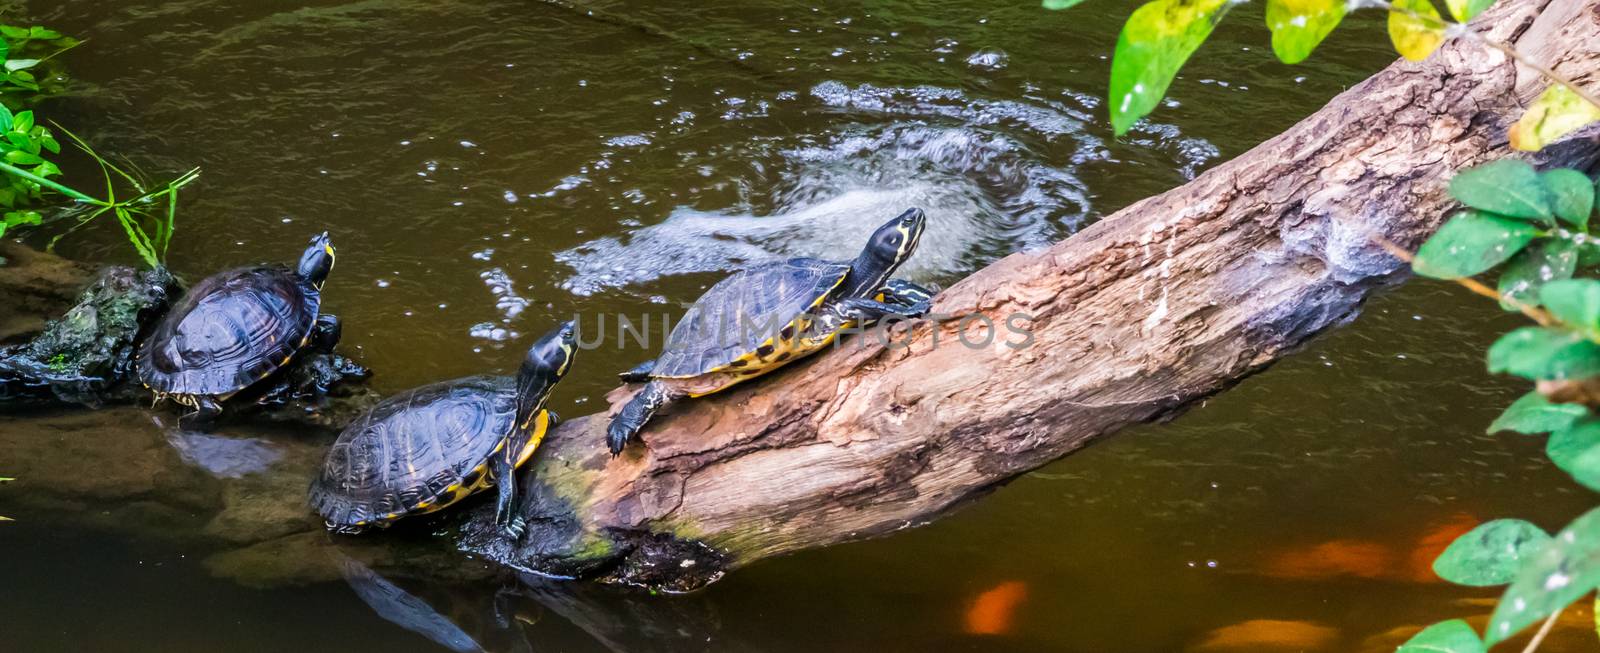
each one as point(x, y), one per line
point(1166, 302)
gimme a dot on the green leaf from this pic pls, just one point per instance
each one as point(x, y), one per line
point(24, 158)
point(1542, 354)
point(51, 144)
point(1465, 10)
point(1472, 242)
point(1534, 414)
point(1299, 25)
point(23, 218)
point(43, 34)
point(1560, 573)
point(1061, 4)
point(1155, 42)
point(1571, 195)
point(21, 64)
point(1575, 302)
point(13, 32)
point(22, 122)
point(1547, 260)
point(1556, 113)
point(1453, 636)
point(1569, 445)
point(1508, 187)
point(1415, 39)
point(1490, 554)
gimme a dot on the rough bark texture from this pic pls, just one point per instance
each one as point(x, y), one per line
point(1166, 302)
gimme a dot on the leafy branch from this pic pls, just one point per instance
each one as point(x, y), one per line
point(1534, 226)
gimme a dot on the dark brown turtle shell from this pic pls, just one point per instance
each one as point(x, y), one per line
point(229, 331)
point(730, 321)
point(416, 452)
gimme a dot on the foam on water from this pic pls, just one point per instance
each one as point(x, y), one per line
point(978, 167)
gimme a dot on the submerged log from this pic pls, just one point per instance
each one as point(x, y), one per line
point(1164, 303)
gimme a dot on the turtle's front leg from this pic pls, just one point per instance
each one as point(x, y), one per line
point(505, 483)
point(867, 311)
point(625, 426)
point(906, 293)
point(206, 410)
point(326, 332)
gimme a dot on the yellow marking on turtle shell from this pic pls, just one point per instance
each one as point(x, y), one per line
point(392, 515)
point(423, 504)
point(751, 365)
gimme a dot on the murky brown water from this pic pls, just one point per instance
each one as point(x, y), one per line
point(489, 167)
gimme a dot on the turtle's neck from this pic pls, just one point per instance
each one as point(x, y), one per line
point(867, 275)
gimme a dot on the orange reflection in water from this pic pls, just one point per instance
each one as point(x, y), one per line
point(1370, 559)
point(994, 611)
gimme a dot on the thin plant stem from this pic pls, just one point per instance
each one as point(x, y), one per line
point(64, 190)
point(1533, 312)
point(1538, 638)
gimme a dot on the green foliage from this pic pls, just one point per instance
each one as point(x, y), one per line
point(1533, 413)
point(1299, 25)
point(1490, 554)
point(1061, 4)
point(1548, 260)
point(1154, 43)
point(1453, 636)
point(28, 54)
point(1576, 302)
point(1415, 28)
point(1561, 572)
point(147, 216)
point(1545, 354)
point(1558, 111)
point(1472, 242)
point(1576, 450)
point(1465, 10)
point(1506, 187)
point(1571, 195)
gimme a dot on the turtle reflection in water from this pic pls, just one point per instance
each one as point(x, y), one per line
point(712, 348)
point(426, 449)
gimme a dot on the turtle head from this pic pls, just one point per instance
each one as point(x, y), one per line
point(547, 361)
point(890, 245)
point(318, 259)
point(896, 240)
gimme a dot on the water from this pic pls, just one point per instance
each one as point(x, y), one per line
point(489, 167)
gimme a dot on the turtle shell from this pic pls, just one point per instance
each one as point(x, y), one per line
point(229, 331)
point(729, 323)
point(416, 452)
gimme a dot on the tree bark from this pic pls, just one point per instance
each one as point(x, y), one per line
point(1167, 301)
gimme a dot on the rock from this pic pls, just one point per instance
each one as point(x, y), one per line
point(82, 356)
point(33, 285)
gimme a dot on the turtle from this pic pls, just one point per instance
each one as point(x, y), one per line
point(235, 328)
point(430, 447)
point(763, 317)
